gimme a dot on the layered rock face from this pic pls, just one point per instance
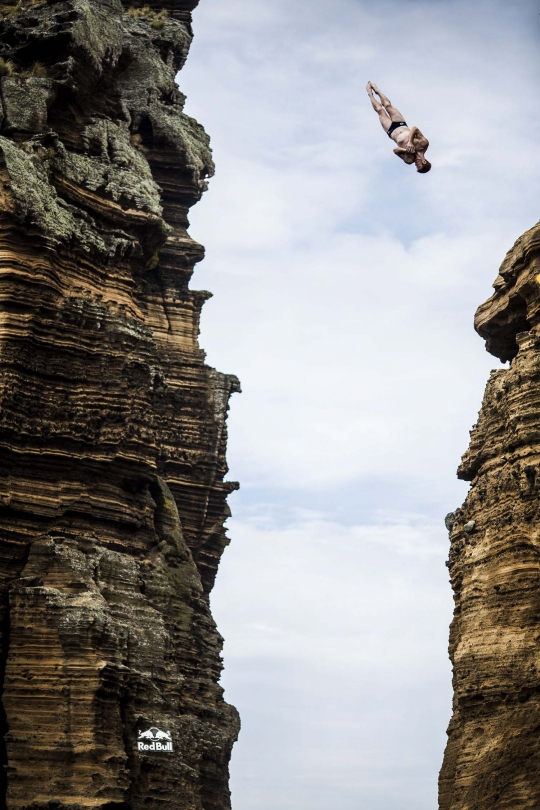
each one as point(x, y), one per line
point(112, 428)
point(492, 761)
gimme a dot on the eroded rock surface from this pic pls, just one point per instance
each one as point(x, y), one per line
point(112, 428)
point(492, 760)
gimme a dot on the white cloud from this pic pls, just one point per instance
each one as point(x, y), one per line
point(349, 350)
point(344, 283)
point(345, 286)
point(334, 649)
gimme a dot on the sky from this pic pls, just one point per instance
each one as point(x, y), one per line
point(345, 286)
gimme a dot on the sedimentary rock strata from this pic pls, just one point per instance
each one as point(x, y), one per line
point(112, 428)
point(492, 760)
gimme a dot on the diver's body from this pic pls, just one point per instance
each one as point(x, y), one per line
point(411, 145)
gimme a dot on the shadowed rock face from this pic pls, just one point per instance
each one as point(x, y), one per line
point(112, 428)
point(492, 760)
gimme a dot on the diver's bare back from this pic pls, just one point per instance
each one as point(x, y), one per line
point(411, 145)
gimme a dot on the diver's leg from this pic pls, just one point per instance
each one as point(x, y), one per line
point(384, 118)
point(392, 111)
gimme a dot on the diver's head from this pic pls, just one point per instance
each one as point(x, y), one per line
point(422, 165)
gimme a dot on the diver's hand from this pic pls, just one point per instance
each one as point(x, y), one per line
point(410, 148)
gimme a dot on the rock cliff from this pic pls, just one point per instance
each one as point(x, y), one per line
point(492, 760)
point(112, 428)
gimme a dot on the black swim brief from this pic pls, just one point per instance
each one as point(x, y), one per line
point(394, 125)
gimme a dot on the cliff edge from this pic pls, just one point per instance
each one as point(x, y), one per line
point(112, 428)
point(492, 760)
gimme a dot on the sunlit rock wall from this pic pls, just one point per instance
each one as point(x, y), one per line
point(492, 760)
point(112, 428)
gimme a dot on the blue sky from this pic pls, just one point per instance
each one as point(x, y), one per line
point(344, 290)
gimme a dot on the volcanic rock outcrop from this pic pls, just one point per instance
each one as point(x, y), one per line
point(492, 760)
point(112, 428)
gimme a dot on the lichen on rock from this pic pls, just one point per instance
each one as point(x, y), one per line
point(112, 428)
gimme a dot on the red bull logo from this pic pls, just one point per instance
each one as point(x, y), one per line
point(154, 740)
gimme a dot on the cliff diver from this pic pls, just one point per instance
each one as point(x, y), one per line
point(411, 144)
